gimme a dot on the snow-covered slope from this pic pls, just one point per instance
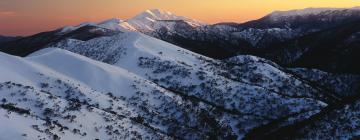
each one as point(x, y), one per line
point(123, 49)
point(51, 102)
point(128, 85)
point(150, 90)
point(54, 93)
point(244, 88)
point(226, 40)
point(80, 98)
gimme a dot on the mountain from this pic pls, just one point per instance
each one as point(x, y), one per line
point(282, 25)
point(145, 22)
point(115, 80)
point(27, 45)
point(43, 101)
point(225, 40)
point(152, 89)
point(7, 38)
point(114, 49)
point(321, 38)
point(340, 122)
point(192, 75)
point(335, 121)
point(306, 30)
point(153, 20)
point(332, 50)
point(342, 84)
point(307, 19)
point(185, 32)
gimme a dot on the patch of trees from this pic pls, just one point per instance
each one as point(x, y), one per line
point(13, 108)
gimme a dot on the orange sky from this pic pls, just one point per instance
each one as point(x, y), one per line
point(25, 17)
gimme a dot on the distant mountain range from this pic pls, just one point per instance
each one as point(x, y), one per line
point(268, 37)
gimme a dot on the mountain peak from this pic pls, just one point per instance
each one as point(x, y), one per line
point(157, 14)
point(153, 19)
point(147, 21)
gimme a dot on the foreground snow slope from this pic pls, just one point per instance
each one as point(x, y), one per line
point(58, 94)
point(50, 104)
point(125, 106)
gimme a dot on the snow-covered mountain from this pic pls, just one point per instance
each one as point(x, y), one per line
point(155, 19)
point(268, 37)
point(225, 40)
point(110, 80)
point(27, 45)
point(277, 26)
point(124, 48)
point(151, 90)
point(320, 38)
point(41, 100)
point(147, 22)
point(285, 25)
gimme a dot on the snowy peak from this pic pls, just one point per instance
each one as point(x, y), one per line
point(157, 14)
point(145, 22)
point(152, 20)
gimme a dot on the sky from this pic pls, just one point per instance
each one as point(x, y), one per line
point(26, 17)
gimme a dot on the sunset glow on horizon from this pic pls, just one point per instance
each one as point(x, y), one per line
point(26, 17)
